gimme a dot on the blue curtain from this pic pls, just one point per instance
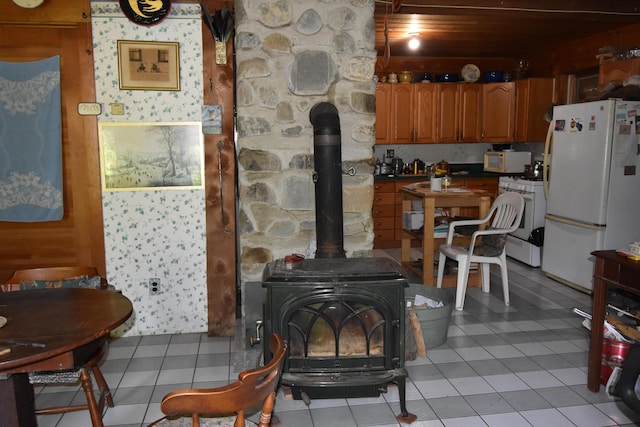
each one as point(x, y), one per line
point(30, 141)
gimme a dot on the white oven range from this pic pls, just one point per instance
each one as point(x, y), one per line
point(518, 245)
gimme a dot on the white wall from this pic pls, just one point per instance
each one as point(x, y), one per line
point(154, 234)
point(453, 153)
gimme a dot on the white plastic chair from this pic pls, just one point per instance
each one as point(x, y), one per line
point(487, 246)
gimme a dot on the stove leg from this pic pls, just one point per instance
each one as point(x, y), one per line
point(305, 398)
point(404, 416)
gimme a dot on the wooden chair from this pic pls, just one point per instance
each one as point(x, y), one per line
point(253, 387)
point(487, 245)
point(50, 274)
point(69, 277)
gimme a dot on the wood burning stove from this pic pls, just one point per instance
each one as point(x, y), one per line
point(343, 320)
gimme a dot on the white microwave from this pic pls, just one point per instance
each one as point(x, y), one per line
point(506, 161)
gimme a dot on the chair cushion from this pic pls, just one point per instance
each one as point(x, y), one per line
point(204, 422)
point(73, 282)
point(490, 244)
point(55, 377)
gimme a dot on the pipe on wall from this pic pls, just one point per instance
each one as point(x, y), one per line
point(327, 177)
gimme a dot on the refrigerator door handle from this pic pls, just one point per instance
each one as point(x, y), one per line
point(561, 220)
point(545, 160)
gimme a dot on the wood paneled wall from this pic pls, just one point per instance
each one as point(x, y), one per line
point(573, 58)
point(59, 28)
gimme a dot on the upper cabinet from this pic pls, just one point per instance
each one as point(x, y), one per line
point(383, 113)
point(470, 112)
point(426, 113)
point(498, 112)
point(402, 109)
point(405, 113)
point(459, 112)
point(618, 71)
point(534, 97)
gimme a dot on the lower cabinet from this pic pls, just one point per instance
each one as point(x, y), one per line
point(387, 207)
point(383, 214)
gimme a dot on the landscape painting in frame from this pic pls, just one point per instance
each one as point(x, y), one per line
point(148, 65)
point(151, 156)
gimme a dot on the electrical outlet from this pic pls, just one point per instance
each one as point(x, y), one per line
point(154, 286)
point(391, 154)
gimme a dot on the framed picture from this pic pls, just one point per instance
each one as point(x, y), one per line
point(148, 65)
point(151, 156)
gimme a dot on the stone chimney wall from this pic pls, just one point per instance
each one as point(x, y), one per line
point(291, 55)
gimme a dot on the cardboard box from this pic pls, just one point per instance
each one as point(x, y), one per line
point(412, 220)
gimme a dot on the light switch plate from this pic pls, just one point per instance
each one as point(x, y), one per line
point(117, 109)
point(89, 108)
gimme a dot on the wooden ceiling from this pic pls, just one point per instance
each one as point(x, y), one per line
point(494, 28)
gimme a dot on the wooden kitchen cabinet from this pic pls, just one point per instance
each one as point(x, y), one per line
point(449, 112)
point(383, 113)
point(425, 113)
point(405, 113)
point(498, 112)
point(394, 113)
point(618, 71)
point(420, 113)
point(402, 113)
point(534, 97)
point(383, 213)
point(470, 112)
point(387, 212)
point(459, 112)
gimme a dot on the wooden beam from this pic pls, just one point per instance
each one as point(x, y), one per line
point(220, 190)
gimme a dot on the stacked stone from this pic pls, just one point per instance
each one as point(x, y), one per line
point(291, 55)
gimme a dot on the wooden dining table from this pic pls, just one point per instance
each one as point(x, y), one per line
point(50, 329)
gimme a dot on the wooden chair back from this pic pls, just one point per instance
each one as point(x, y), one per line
point(252, 387)
point(51, 274)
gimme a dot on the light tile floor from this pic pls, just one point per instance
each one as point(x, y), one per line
point(522, 365)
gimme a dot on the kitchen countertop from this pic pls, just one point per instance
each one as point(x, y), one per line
point(458, 170)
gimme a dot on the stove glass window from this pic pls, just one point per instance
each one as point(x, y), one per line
point(336, 329)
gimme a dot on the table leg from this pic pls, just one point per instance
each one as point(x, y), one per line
point(406, 238)
point(597, 326)
point(17, 401)
point(429, 206)
point(484, 206)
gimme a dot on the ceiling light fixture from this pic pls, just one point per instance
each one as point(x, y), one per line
point(414, 43)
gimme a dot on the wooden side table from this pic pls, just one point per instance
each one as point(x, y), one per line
point(611, 270)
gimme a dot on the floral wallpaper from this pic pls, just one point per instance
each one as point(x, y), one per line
point(154, 234)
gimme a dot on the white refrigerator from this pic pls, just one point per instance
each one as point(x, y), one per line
point(593, 197)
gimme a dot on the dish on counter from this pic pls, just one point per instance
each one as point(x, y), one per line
point(470, 73)
point(3, 321)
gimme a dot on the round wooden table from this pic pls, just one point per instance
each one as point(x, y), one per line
point(63, 326)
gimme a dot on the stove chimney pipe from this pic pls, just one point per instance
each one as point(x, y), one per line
point(327, 177)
